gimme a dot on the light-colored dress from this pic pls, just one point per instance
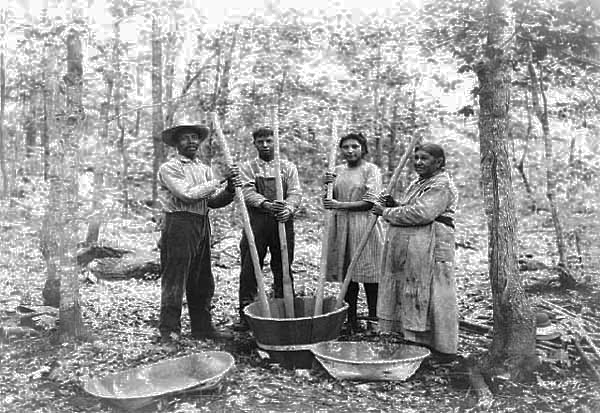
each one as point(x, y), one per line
point(417, 290)
point(346, 228)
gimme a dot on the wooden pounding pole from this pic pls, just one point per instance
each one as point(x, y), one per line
point(325, 241)
point(239, 196)
point(288, 292)
point(372, 222)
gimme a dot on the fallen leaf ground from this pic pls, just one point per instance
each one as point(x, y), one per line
point(42, 376)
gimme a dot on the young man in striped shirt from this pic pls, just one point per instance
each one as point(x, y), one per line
point(258, 177)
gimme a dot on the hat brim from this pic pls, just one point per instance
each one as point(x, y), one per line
point(169, 136)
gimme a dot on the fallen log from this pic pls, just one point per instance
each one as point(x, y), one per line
point(138, 264)
point(38, 317)
point(38, 322)
point(14, 332)
point(87, 255)
point(37, 309)
point(470, 325)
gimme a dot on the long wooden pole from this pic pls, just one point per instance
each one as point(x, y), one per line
point(239, 196)
point(288, 292)
point(372, 223)
point(325, 236)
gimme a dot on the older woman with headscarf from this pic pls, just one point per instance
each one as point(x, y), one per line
point(356, 185)
point(417, 293)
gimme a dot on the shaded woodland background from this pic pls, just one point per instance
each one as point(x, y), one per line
point(87, 86)
point(390, 73)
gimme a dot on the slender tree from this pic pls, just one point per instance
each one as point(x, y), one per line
point(171, 51)
point(541, 112)
point(71, 324)
point(61, 216)
point(48, 238)
point(97, 213)
point(3, 168)
point(157, 112)
point(120, 104)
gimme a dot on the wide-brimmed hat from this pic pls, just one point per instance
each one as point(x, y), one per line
point(169, 136)
point(544, 329)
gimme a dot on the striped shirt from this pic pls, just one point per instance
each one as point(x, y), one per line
point(258, 168)
point(187, 185)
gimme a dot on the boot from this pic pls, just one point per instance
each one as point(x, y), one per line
point(371, 290)
point(352, 320)
point(241, 325)
point(352, 299)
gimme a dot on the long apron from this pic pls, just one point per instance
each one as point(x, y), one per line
point(417, 294)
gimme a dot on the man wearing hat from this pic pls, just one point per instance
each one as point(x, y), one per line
point(258, 176)
point(187, 190)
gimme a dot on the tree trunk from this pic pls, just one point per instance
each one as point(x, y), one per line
point(45, 139)
point(513, 344)
point(3, 168)
point(30, 131)
point(157, 113)
point(223, 96)
point(139, 87)
point(120, 101)
point(62, 209)
point(71, 324)
point(541, 111)
point(521, 164)
point(48, 237)
point(49, 77)
point(170, 56)
point(376, 112)
point(393, 141)
point(97, 213)
point(216, 92)
point(217, 82)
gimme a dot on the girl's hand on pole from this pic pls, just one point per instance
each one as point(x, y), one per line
point(332, 204)
point(377, 209)
point(387, 200)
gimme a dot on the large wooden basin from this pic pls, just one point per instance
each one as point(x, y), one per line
point(288, 340)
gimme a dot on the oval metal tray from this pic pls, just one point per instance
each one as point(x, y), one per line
point(356, 360)
point(140, 386)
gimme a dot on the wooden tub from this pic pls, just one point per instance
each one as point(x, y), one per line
point(288, 340)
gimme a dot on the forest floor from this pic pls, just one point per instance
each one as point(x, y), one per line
point(121, 317)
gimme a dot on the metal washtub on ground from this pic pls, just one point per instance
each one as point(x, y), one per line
point(359, 360)
point(288, 340)
point(137, 387)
